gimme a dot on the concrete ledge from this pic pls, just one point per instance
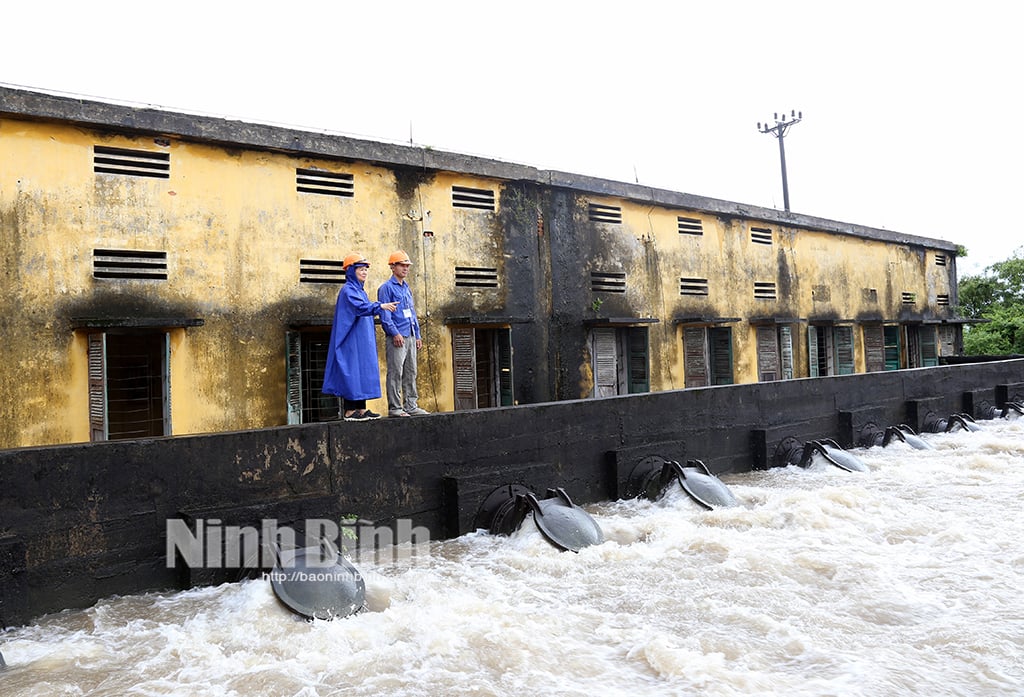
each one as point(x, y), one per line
point(625, 460)
point(1009, 392)
point(465, 494)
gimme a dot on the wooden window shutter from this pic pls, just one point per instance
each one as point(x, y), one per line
point(786, 345)
point(464, 356)
point(874, 348)
point(503, 339)
point(720, 347)
point(639, 376)
point(812, 352)
point(606, 375)
point(695, 357)
point(293, 380)
point(97, 387)
point(767, 354)
point(843, 337)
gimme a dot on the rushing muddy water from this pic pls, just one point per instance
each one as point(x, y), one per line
point(905, 580)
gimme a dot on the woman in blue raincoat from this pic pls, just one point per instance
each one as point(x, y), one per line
point(353, 372)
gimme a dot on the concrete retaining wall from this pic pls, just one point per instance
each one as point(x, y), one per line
point(81, 522)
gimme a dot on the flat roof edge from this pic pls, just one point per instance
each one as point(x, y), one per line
point(149, 119)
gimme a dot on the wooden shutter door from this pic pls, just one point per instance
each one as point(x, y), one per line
point(605, 365)
point(464, 357)
point(503, 341)
point(844, 350)
point(166, 380)
point(913, 348)
point(929, 349)
point(947, 340)
point(812, 352)
point(695, 357)
point(720, 347)
point(786, 345)
point(892, 347)
point(874, 348)
point(97, 387)
point(293, 379)
point(767, 354)
point(638, 361)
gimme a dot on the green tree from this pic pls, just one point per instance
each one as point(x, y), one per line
point(996, 295)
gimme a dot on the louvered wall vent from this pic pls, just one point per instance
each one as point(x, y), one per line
point(909, 298)
point(760, 235)
point(321, 271)
point(942, 299)
point(465, 197)
point(607, 282)
point(315, 181)
point(940, 259)
point(134, 163)
point(764, 291)
point(476, 277)
point(693, 286)
point(129, 264)
point(598, 213)
point(690, 226)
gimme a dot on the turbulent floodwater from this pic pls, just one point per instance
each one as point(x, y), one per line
point(905, 580)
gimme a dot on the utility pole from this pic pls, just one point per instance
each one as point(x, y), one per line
point(779, 130)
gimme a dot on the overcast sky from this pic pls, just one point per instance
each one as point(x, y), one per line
point(910, 119)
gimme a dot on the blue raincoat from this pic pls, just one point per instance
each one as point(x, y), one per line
point(353, 371)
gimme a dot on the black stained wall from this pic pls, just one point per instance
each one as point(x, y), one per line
point(571, 258)
point(527, 266)
point(81, 522)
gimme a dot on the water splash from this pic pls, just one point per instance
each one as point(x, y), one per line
point(903, 580)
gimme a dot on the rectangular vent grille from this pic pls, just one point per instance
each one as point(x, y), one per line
point(764, 291)
point(909, 298)
point(465, 197)
point(476, 277)
point(321, 271)
point(613, 282)
point(598, 213)
point(690, 226)
point(693, 286)
point(134, 163)
point(129, 264)
point(314, 181)
point(940, 259)
point(942, 299)
point(760, 235)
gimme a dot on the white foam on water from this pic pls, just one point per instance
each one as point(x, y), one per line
point(903, 580)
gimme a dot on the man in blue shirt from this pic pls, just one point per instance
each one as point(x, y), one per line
point(402, 340)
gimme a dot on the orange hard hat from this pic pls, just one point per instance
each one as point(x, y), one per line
point(353, 258)
point(398, 257)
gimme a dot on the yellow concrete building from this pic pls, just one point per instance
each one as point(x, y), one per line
point(167, 274)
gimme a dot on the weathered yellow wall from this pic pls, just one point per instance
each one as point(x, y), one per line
point(461, 237)
point(818, 276)
point(234, 230)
